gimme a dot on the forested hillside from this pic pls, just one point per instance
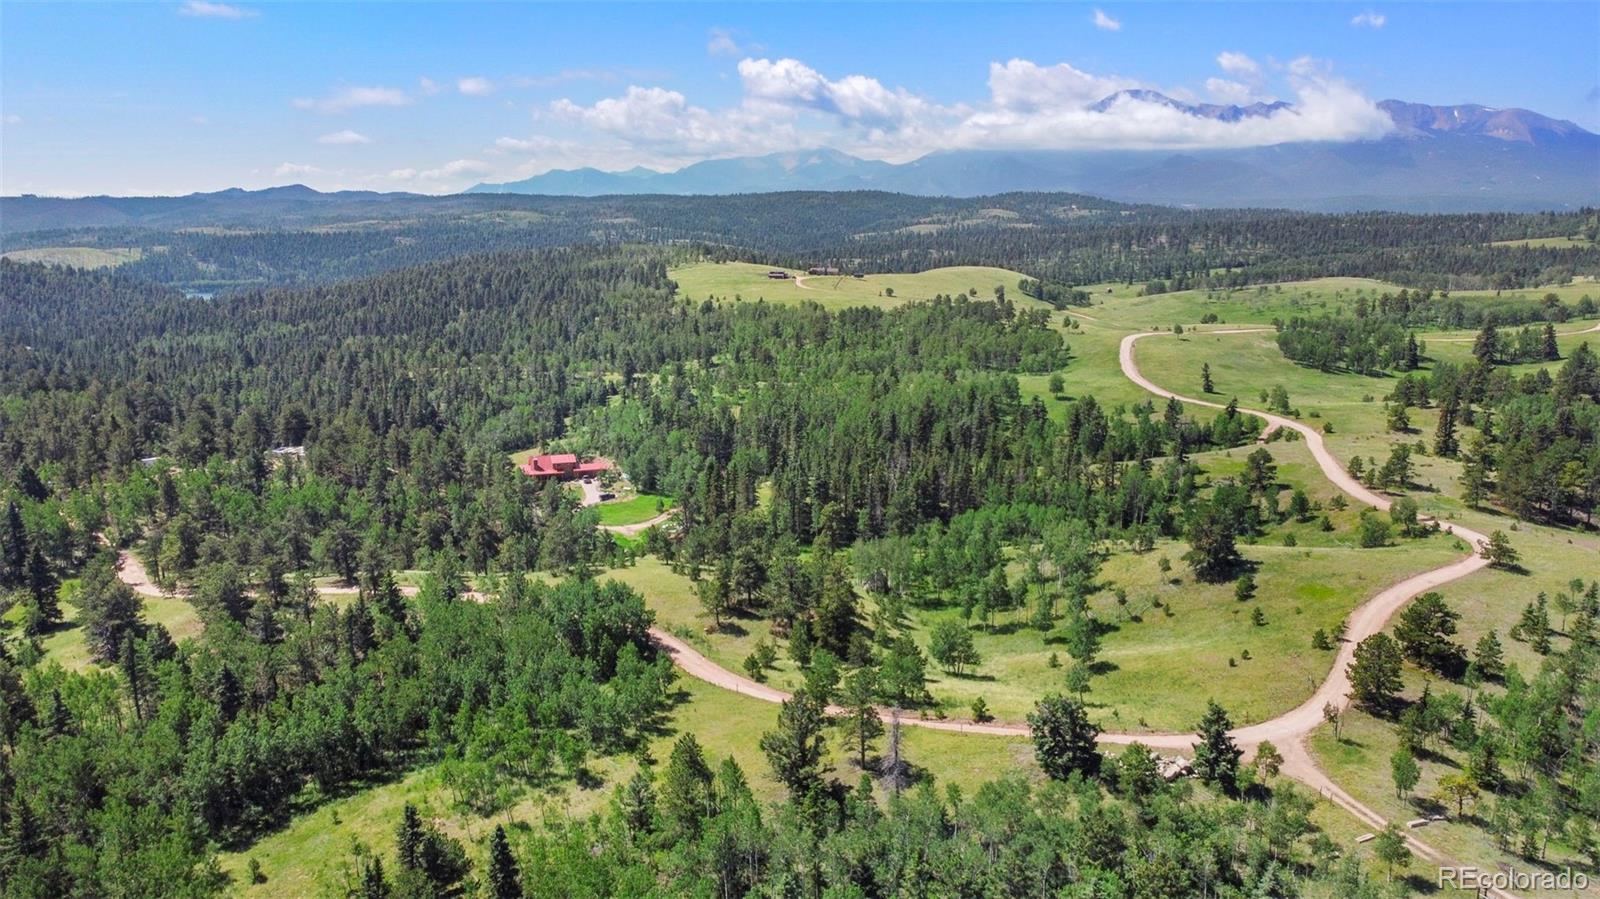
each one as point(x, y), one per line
point(248, 239)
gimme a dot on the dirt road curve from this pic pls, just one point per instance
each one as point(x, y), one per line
point(1287, 731)
point(630, 530)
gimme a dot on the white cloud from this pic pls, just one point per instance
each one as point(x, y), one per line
point(1246, 85)
point(522, 145)
point(787, 104)
point(663, 119)
point(454, 169)
point(1022, 85)
point(1224, 91)
point(428, 86)
point(1105, 22)
point(1325, 109)
point(1370, 19)
point(722, 43)
point(857, 99)
point(475, 86)
point(13, 119)
point(297, 169)
point(204, 10)
point(348, 98)
point(344, 138)
point(1238, 64)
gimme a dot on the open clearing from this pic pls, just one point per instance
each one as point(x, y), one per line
point(1556, 243)
point(749, 281)
point(632, 510)
point(77, 257)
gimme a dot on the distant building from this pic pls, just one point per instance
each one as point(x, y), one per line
point(822, 270)
point(778, 274)
point(563, 466)
point(297, 451)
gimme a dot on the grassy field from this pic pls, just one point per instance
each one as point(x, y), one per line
point(633, 509)
point(78, 257)
point(65, 645)
point(1162, 664)
point(1559, 243)
point(748, 281)
point(1159, 666)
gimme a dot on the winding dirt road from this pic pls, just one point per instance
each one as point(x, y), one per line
point(1287, 731)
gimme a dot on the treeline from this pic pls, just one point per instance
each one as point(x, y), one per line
point(1380, 335)
point(1057, 295)
point(1059, 239)
point(1536, 444)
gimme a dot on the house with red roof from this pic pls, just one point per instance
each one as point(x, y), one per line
point(564, 466)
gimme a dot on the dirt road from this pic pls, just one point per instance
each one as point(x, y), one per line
point(631, 530)
point(1287, 731)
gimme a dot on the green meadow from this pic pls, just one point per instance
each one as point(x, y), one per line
point(728, 281)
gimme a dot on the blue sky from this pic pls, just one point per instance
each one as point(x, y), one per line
point(135, 98)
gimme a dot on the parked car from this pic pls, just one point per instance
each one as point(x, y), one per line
point(606, 496)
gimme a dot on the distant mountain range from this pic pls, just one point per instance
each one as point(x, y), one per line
point(1438, 158)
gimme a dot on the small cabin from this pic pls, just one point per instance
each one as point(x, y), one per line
point(822, 270)
point(778, 275)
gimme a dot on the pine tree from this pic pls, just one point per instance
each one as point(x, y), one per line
point(1499, 551)
point(41, 585)
point(1399, 419)
point(505, 881)
point(1488, 659)
point(373, 884)
point(1550, 349)
point(796, 748)
point(1486, 347)
point(1413, 356)
point(13, 548)
point(408, 839)
point(1064, 738)
point(1205, 378)
point(684, 794)
point(1375, 672)
point(1216, 758)
point(133, 673)
point(1475, 473)
point(1445, 443)
point(860, 721)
